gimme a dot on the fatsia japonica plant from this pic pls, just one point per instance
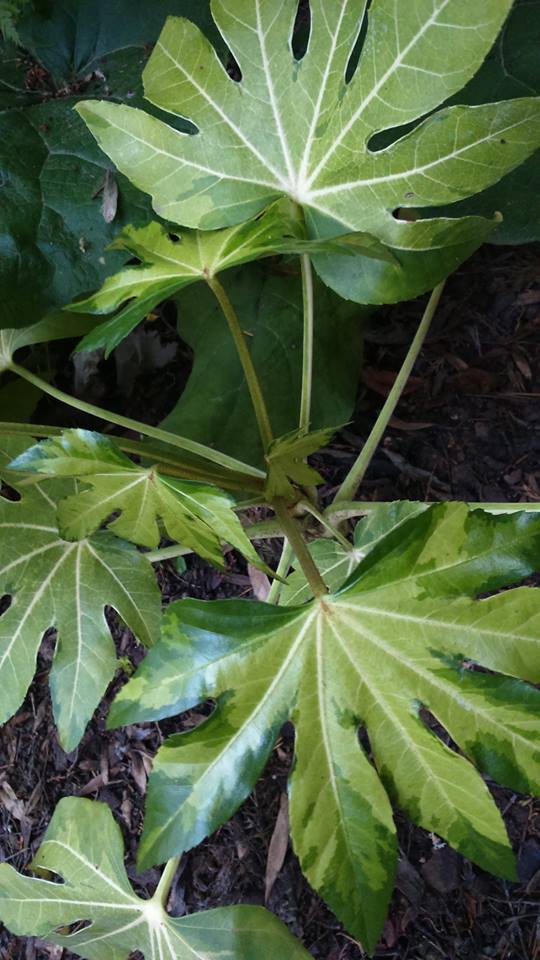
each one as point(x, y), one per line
point(329, 148)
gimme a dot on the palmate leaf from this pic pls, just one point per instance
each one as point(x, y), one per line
point(84, 847)
point(511, 70)
point(55, 583)
point(171, 262)
point(400, 637)
point(198, 516)
point(297, 128)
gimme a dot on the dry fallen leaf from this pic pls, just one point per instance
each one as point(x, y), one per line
point(278, 847)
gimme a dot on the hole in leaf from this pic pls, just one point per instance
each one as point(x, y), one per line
point(233, 67)
point(365, 742)
point(432, 723)
point(405, 214)
point(174, 238)
point(73, 928)
point(301, 30)
point(5, 603)
point(356, 50)
point(8, 493)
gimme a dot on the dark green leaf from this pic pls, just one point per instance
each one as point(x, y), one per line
point(215, 407)
point(53, 234)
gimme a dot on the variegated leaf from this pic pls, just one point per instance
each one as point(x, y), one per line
point(52, 582)
point(397, 644)
point(84, 847)
point(304, 128)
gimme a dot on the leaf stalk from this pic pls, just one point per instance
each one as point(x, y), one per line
point(299, 546)
point(282, 570)
point(358, 470)
point(308, 343)
point(252, 380)
point(163, 436)
point(163, 888)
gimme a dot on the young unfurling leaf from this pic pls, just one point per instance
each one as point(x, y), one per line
point(286, 461)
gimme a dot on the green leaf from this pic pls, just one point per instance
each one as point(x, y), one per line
point(83, 846)
point(401, 637)
point(286, 458)
point(335, 563)
point(55, 326)
point(72, 37)
point(215, 407)
point(55, 583)
point(512, 70)
point(196, 515)
point(297, 128)
point(171, 262)
point(53, 233)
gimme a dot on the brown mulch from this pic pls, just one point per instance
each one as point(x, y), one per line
point(478, 382)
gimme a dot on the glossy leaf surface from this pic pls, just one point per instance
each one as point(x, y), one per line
point(399, 640)
point(193, 514)
point(297, 128)
point(335, 562)
point(84, 847)
point(53, 232)
point(55, 583)
point(511, 70)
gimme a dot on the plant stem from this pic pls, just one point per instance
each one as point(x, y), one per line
point(252, 380)
point(307, 350)
point(199, 449)
point(163, 888)
point(165, 462)
point(283, 568)
point(325, 522)
point(357, 472)
point(300, 549)
point(357, 508)
point(265, 530)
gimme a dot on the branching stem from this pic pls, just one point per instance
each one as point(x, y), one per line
point(357, 472)
point(326, 523)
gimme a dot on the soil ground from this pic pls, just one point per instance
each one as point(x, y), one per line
point(468, 428)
